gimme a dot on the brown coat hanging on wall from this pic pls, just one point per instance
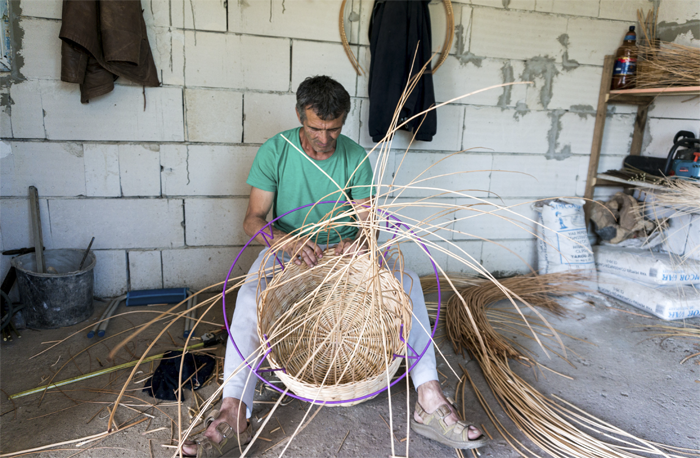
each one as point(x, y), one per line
point(103, 40)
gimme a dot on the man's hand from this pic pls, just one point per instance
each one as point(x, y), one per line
point(304, 250)
point(350, 246)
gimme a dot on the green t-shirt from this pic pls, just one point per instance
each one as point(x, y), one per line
point(296, 181)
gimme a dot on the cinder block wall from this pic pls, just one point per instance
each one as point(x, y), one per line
point(161, 184)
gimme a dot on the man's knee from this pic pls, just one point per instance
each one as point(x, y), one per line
point(410, 281)
point(414, 277)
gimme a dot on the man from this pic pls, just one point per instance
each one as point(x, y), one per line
point(282, 179)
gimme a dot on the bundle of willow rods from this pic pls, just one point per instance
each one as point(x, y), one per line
point(429, 283)
point(683, 198)
point(669, 64)
point(681, 195)
point(556, 427)
point(647, 26)
point(536, 290)
point(662, 64)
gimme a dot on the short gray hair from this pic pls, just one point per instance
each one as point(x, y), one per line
point(327, 97)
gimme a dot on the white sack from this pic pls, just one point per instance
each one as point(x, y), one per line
point(666, 302)
point(647, 267)
point(562, 243)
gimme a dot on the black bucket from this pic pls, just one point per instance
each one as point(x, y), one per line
point(54, 300)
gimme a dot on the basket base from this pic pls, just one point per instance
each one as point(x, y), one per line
point(333, 396)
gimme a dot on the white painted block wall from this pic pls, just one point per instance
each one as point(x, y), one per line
point(162, 188)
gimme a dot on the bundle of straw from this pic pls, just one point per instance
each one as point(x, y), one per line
point(669, 64)
point(534, 290)
point(663, 64)
point(681, 195)
point(556, 426)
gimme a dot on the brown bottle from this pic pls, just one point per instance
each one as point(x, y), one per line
point(625, 62)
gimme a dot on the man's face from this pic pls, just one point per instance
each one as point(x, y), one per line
point(319, 134)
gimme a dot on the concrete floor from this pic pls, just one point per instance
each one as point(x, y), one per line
point(627, 379)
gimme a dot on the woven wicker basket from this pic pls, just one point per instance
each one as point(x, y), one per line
point(334, 328)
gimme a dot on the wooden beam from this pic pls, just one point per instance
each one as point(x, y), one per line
point(653, 92)
point(605, 82)
point(640, 123)
point(630, 100)
point(36, 229)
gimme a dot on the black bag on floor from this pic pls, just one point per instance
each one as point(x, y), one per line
point(196, 369)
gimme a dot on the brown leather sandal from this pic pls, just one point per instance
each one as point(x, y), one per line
point(434, 427)
point(231, 440)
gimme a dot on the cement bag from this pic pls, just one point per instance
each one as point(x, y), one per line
point(692, 246)
point(647, 267)
point(682, 237)
point(562, 243)
point(676, 234)
point(666, 302)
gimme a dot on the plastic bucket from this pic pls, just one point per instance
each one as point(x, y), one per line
point(54, 300)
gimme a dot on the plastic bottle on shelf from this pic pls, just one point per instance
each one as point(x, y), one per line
point(625, 62)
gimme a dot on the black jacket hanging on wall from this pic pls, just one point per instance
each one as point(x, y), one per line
point(397, 27)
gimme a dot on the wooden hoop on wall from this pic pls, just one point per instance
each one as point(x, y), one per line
point(446, 46)
point(344, 38)
point(449, 34)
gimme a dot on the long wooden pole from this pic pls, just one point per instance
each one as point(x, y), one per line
point(605, 82)
point(36, 229)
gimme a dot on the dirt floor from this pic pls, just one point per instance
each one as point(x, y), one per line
point(628, 377)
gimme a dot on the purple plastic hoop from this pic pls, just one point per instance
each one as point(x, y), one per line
point(398, 223)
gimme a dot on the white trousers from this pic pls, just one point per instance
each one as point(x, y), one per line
point(244, 326)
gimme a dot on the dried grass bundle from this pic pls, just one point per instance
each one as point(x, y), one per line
point(668, 64)
point(556, 426)
point(681, 195)
point(533, 290)
point(662, 64)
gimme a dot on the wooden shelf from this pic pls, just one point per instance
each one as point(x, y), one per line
point(642, 98)
point(603, 179)
point(646, 96)
point(653, 92)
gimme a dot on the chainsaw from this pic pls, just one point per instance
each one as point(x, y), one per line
point(683, 159)
point(686, 162)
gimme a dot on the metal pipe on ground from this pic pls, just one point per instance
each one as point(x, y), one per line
point(94, 329)
point(190, 315)
point(102, 328)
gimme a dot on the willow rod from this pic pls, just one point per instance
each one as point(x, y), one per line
point(95, 374)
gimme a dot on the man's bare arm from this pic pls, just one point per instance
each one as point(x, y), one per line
point(259, 206)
